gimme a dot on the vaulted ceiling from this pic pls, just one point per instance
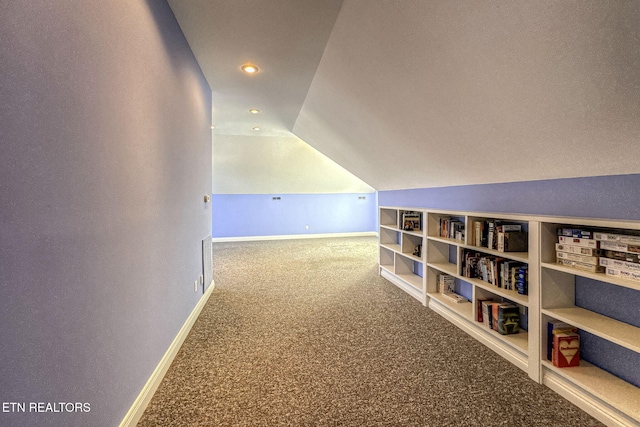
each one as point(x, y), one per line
point(417, 93)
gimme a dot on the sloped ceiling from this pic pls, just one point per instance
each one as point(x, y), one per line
point(284, 38)
point(277, 165)
point(415, 93)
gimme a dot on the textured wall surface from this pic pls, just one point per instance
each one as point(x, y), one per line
point(613, 197)
point(106, 156)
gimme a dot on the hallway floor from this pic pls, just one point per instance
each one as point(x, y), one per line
point(305, 333)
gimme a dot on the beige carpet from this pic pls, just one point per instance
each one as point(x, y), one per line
point(305, 333)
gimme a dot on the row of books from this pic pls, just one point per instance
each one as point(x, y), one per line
point(499, 235)
point(502, 317)
point(596, 251)
point(563, 344)
point(451, 228)
point(614, 241)
point(501, 272)
point(577, 256)
point(447, 287)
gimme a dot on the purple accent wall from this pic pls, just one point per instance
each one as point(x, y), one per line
point(614, 197)
point(105, 158)
point(243, 215)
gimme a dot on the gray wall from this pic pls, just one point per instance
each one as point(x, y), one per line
point(427, 94)
point(105, 158)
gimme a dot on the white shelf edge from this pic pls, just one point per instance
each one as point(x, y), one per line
point(595, 276)
point(403, 284)
point(453, 242)
point(602, 395)
point(443, 267)
point(417, 233)
point(463, 309)
point(392, 227)
point(410, 256)
point(412, 279)
point(510, 295)
point(623, 334)
point(394, 247)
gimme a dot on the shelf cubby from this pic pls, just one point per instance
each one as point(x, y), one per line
point(560, 299)
point(389, 217)
point(399, 262)
point(407, 270)
point(390, 238)
point(409, 244)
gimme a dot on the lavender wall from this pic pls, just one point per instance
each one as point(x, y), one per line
point(596, 197)
point(242, 215)
point(106, 156)
point(615, 197)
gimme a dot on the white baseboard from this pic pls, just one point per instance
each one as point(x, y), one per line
point(140, 404)
point(292, 236)
point(588, 403)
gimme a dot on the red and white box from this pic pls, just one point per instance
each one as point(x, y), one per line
point(566, 350)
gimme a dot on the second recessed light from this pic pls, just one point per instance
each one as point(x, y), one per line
point(249, 68)
point(254, 111)
point(256, 128)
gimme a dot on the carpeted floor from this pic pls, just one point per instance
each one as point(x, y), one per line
point(305, 333)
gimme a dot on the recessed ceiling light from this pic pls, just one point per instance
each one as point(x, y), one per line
point(254, 111)
point(249, 68)
point(256, 128)
point(213, 127)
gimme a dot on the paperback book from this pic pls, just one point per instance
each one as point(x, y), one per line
point(446, 284)
point(487, 312)
point(480, 308)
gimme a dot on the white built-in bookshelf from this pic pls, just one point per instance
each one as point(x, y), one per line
point(549, 296)
point(398, 263)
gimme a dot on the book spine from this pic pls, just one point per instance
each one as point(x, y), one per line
point(581, 265)
point(619, 238)
point(576, 241)
point(575, 232)
point(619, 247)
point(492, 229)
point(623, 274)
point(560, 247)
point(618, 264)
point(622, 256)
point(580, 258)
point(522, 280)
